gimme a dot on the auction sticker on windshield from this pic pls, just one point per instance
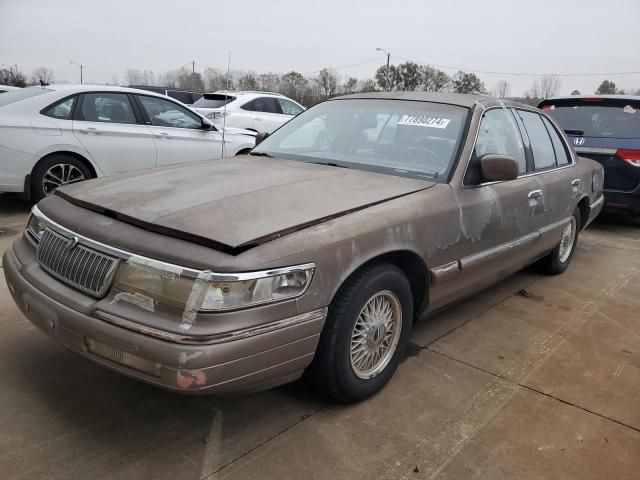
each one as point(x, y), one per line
point(424, 121)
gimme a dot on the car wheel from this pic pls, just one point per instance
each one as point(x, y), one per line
point(365, 335)
point(560, 257)
point(55, 171)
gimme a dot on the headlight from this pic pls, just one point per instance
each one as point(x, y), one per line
point(35, 228)
point(211, 292)
point(271, 287)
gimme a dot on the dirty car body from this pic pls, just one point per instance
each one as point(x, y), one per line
point(241, 274)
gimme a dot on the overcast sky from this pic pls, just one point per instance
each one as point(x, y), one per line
point(533, 37)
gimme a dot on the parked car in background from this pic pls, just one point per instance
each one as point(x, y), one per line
point(59, 134)
point(314, 252)
point(259, 111)
point(7, 88)
point(185, 96)
point(605, 128)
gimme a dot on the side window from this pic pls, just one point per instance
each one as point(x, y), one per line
point(61, 110)
point(262, 104)
point(165, 113)
point(499, 134)
point(562, 157)
point(107, 107)
point(288, 107)
point(543, 154)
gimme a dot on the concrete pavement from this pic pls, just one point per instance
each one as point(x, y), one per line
point(501, 386)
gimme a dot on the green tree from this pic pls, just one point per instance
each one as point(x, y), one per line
point(434, 80)
point(395, 79)
point(467, 83)
point(606, 88)
point(410, 76)
point(369, 85)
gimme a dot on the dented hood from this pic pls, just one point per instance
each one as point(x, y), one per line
point(236, 203)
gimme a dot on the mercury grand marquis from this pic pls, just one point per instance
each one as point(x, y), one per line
point(312, 255)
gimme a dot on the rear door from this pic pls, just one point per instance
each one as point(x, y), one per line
point(606, 130)
point(266, 114)
point(177, 131)
point(555, 180)
point(106, 124)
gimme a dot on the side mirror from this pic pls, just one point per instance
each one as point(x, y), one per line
point(497, 168)
point(207, 125)
point(261, 136)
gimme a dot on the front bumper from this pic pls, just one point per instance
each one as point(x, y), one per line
point(245, 360)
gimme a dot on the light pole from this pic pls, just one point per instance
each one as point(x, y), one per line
point(387, 75)
point(81, 68)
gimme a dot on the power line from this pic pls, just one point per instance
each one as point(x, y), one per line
point(521, 74)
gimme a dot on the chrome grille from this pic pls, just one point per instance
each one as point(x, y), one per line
point(81, 267)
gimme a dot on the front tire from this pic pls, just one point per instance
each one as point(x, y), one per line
point(366, 333)
point(560, 257)
point(55, 171)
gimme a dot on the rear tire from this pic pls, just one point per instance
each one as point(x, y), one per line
point(55, 171)
point(365, 335)
point(560, 257)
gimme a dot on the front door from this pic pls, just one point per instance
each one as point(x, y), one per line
point(178, 132)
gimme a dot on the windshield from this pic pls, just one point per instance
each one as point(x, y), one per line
point(399, 137)
point(621, 120)
point(22, 94)
point(209, 100)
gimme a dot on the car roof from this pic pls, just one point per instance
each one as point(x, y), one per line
point(246, 92)
point(75, 88)
point(462, 100)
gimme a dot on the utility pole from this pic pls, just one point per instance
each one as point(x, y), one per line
point(81, 69)
point(387, 86)
point(193, 67)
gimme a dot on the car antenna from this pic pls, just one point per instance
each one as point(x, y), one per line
point(226, 95)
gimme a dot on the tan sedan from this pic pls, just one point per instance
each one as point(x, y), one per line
point(315, 253)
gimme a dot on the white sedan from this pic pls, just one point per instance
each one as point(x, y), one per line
point(60, 134)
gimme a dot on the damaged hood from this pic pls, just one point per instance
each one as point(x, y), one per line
point(236, 203)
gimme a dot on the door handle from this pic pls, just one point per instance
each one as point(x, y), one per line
point(90, 131)
point(575, 183)
point(533, 194)
point(163, 135)
point(257, 119)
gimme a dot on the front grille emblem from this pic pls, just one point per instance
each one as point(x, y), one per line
point(71, 244)
point(578, 141)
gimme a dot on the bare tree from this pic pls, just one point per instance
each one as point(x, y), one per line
point(42, 75)
point(350, 85)
point(327, 81)
point(503, 89)
point(545, 87)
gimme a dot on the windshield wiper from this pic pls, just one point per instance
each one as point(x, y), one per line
point(261, 154)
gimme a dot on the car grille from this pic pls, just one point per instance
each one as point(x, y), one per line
point(81, 267)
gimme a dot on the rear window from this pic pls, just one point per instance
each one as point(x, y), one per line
point(213, 100)
point(598, 118)
point(22, 94)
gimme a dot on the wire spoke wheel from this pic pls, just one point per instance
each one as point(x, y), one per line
point(376, 334)
point(567, 240)
point(60, 174)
